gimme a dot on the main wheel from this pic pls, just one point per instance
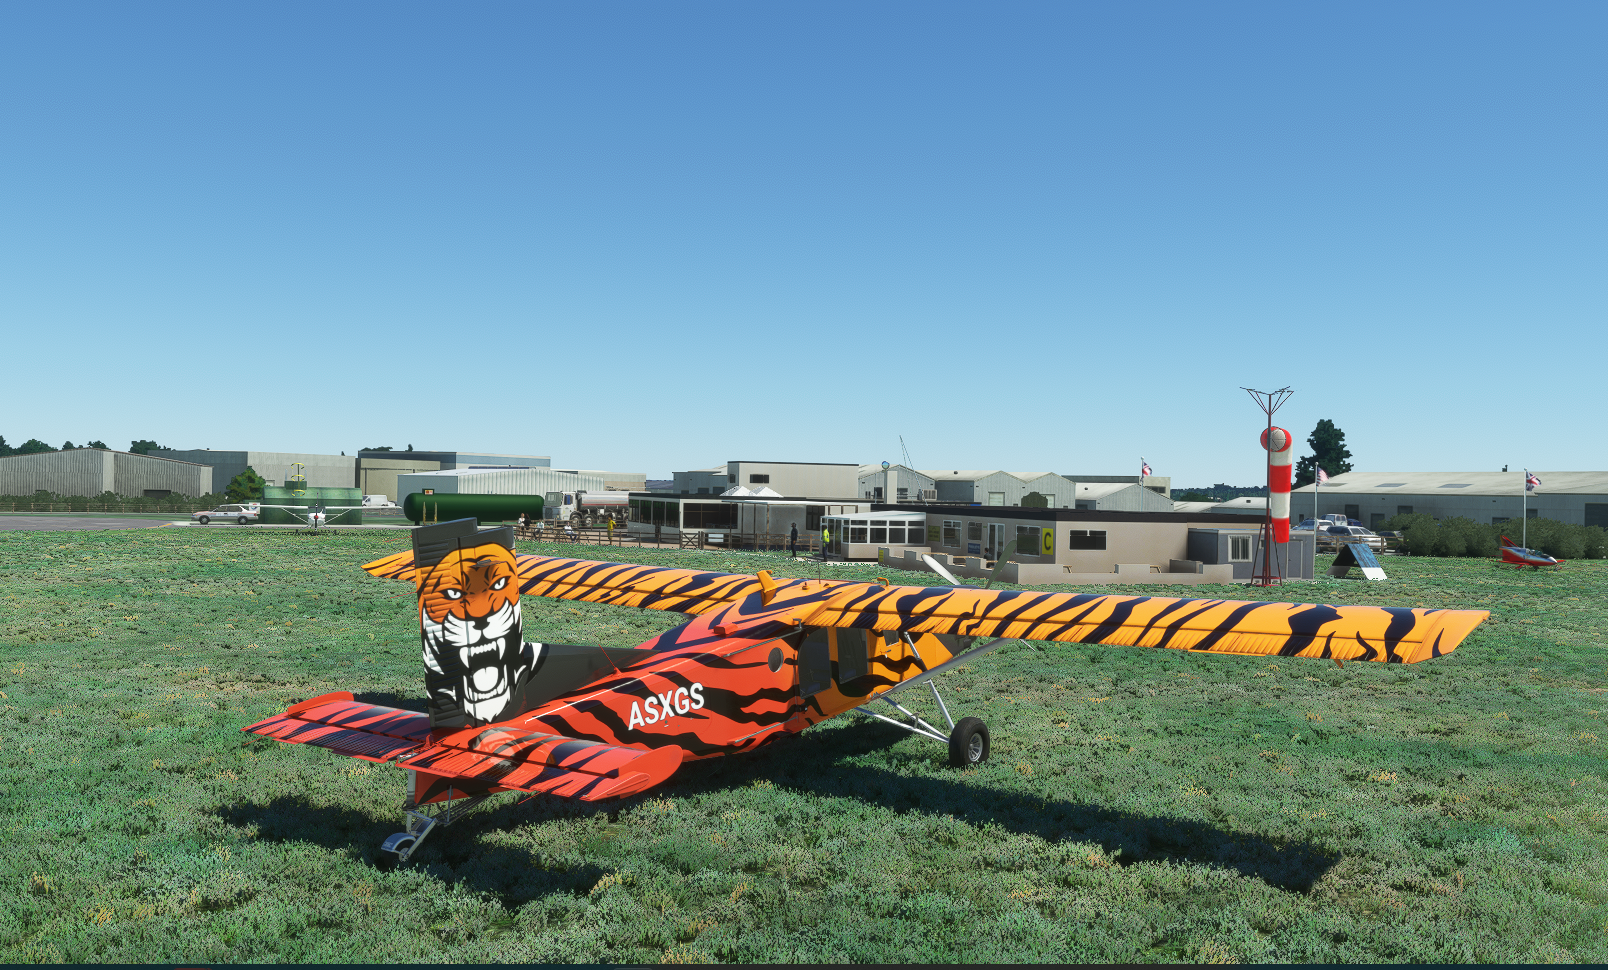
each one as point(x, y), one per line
point(968, 743)
point(204, 519)
point(242, 520)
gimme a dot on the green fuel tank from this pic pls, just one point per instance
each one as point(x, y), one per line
point(487, 508)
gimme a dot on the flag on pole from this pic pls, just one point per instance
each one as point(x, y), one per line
point(1530, 481)
point(1144, 469)
point(1323, 476)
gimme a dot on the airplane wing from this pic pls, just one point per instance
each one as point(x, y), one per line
point(1388, 634)
point(473, 760)
point(693, 591)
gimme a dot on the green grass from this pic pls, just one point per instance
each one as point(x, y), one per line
point(1140, 805)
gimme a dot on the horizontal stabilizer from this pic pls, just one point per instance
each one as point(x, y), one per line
point(551, 764)
point(346, 726)
point(472, 760)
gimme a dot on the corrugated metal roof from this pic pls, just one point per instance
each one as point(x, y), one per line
point(1465, 483)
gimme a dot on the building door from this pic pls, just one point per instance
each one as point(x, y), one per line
point(996, 541)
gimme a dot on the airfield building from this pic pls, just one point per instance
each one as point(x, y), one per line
point(789, 478)
point(94, 471)
point(1074, 546)
point(1580, 498)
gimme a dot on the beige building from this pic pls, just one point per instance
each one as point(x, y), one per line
point(793, 479)
point(1081, 546)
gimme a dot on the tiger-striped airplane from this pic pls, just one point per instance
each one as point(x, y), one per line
point(763, 658)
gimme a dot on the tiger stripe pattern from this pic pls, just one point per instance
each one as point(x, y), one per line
point(738, 602)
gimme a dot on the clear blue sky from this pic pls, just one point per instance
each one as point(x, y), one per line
point(657, 236)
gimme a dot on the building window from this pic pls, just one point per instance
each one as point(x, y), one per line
point(952, 532)
point(996, 498)
point(812, 517)
point(1085, 504)
point(1239, 548)
point(731, 479)
point(974, 531)
point(1085, 539)
point(703, 491)
point(857, 530)
point(904, 493)
point(759, 479)
point(876, 493)
point(1027, 540)
point(1375, 520)
point(1404, 510)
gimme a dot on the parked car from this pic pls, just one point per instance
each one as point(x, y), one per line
point(1393, 540)
point(1332, 538)
point(243, 513)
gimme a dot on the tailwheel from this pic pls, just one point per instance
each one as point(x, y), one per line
point(968, 743)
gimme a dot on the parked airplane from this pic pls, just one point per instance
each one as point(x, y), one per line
point(1519, 556)
point(762, 659)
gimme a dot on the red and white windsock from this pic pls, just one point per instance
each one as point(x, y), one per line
point(1277, 442)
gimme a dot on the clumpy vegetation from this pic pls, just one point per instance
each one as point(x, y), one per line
point(1424, 535)
point(1140, 805)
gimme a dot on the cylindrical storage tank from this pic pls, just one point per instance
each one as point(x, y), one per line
point(487, 508)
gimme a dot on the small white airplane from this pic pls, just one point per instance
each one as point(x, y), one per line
point(316, 515)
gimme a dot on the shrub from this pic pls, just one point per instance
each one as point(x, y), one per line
point(1422, 535)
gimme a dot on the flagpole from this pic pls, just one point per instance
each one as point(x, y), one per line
point(1524, 511)
point(1316, 468)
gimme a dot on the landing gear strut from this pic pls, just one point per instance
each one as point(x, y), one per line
point(404, 844)
point(968, 741)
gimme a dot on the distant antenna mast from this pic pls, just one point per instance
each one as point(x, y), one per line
point(906, 452)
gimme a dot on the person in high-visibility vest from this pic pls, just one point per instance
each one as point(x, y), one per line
point(826, 537)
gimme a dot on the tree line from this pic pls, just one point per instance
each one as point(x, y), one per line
point(33, 446)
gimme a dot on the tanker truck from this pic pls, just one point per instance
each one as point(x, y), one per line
point(582, 508)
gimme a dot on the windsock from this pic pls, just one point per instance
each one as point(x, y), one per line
point(1277, 442)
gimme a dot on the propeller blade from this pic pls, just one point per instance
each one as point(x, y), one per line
point(1004, 554)
point(948, 576)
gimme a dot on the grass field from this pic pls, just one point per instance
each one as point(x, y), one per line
point(1140, 805)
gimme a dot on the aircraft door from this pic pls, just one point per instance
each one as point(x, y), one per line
point(815, 662)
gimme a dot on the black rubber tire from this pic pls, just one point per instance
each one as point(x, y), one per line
point(968, 743)
point(204, 520)
point(242, 520)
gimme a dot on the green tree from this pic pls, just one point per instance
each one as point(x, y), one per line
point(246, 486)
point(1328, 445)
point(1193, 496)
point(98, 444)
point(68, 446)
point(33, 446)
point(5, 449)
point(1033, 500)
point(381, 448)
point(144, 447)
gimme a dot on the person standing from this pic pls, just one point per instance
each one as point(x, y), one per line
point(792, 541)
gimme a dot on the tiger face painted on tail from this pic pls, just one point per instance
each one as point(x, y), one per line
point(476, 661)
